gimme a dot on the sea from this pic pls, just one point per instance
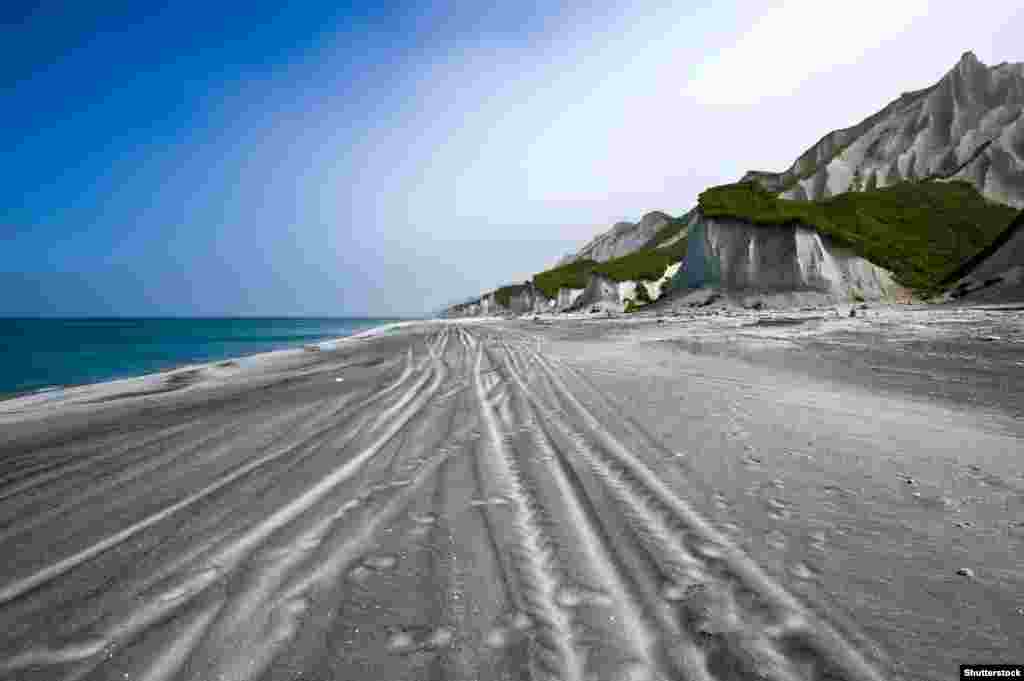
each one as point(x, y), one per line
point(43, 354)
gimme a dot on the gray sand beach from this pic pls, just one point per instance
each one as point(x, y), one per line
point(736, 495)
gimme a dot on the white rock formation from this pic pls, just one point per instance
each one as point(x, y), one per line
point(622, 239)
point(932, 132)
point(749, 260)
point(567, 297)
point(605, 293)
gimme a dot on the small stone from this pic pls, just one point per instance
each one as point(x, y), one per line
point(521, 622)
point(497, 638)
point(965, 572)
point(802, 571)
point(400, 642)
point(674, 592)
point(382, 562)
point(441, 638)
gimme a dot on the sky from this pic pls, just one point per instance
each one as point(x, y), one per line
point(332, 159)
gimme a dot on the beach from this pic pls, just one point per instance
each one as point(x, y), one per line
point(731, 495)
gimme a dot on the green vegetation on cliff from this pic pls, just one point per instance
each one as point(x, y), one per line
point(573, 275)
point(671, 229)
point(921, 231)
point(648, 264)
point(504, 294)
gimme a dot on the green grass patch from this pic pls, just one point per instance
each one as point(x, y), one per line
point(668, 231)
point(921, 231)
point(504, 295)
point(647, 264)
point(573, 275)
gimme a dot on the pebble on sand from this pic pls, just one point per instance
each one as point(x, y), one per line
point(521, 622)
point(382, 562)
point(497, 638)
point(441, 638)
point(400, 642)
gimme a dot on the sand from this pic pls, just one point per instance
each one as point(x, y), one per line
point(576, 499)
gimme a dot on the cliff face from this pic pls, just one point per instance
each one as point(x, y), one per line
point(622, 239)
point(529, 300)
point(601, 292)
point(755, 260)
point(968, 126)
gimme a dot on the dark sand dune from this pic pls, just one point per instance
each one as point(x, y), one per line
point(467, 503)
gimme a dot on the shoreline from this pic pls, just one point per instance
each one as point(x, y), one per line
point(144, 381)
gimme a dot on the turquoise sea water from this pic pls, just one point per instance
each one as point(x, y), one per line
point(44, 353)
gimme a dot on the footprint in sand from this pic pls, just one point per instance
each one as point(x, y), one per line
point(803, 571)
point(380, 562)
point(777, 540)
point(777, 509)
point(423, 518)
point(360, 574)
point(572, 597)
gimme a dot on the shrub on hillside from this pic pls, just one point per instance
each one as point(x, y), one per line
point(920, 231)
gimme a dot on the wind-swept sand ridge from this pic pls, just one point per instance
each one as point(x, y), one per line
point(467, 503)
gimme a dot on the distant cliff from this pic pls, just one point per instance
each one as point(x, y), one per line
point(911, 162)
point(622, 239)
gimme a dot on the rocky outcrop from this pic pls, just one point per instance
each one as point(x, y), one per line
point(606, 294)
point(747, 260)
point(525, 300)
point(567, 298)
point(997, 273)
point(967, 126)
point(622, 239)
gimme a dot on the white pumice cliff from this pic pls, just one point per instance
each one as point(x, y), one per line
point(969, 126)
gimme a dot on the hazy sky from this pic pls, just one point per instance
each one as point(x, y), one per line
point(328, 159)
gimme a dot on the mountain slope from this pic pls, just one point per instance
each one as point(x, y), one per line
point(907, 196)
point(997, 272)
point(622, 239)
point(967, 126)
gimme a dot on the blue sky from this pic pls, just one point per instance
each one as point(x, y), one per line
point(312, 158)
